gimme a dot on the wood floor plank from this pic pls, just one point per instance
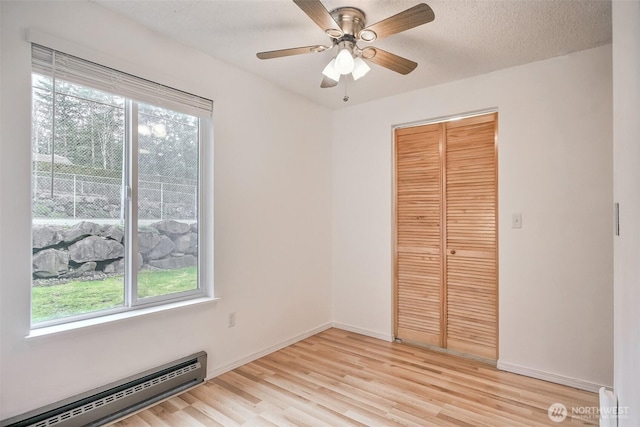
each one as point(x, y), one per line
point(133, 421)
point(205, 420)
point(338, 378)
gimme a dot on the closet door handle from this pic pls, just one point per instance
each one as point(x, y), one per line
point(453, 251)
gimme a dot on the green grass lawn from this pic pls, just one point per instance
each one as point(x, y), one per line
point(77, 297)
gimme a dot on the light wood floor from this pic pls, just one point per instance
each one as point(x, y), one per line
point(338, 378)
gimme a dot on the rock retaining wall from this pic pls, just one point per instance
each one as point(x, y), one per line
point(86, 248)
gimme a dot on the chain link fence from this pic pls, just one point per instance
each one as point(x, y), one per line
point(71, 196)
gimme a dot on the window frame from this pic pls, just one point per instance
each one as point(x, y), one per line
point(131, 301)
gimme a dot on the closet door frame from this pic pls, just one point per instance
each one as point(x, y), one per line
point(443, 213)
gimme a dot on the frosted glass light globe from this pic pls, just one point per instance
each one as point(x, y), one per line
point(331, 72)
point(344, 62)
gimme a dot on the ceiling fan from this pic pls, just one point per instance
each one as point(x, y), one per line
point(346, 26)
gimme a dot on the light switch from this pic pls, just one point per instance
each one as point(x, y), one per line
point(516, 220)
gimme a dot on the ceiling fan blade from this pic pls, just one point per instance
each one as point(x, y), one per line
point(327, 82)
point(321, 16)
point(293, 51)
point(410, 18)
point(389, 60)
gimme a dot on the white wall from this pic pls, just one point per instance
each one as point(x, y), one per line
point(555, 167)
point(626, 181)
point(272, 217)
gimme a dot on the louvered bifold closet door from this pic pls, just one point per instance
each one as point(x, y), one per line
point(418, 236)
point(471, 236)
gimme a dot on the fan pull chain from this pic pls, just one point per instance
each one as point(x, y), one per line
point(346, 96)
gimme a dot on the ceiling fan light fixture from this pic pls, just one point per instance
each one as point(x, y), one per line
point(331, 72)
point(360, 68)
point(344, 62)
point(347, 26)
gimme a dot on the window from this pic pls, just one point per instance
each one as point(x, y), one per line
point(118, 178)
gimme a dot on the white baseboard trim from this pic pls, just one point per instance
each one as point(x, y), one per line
point(257, 355)
point(366, 332)
point(548, 376)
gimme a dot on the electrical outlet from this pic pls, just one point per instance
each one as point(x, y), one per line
point(232, 320)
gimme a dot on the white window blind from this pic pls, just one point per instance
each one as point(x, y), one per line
point(70, 68)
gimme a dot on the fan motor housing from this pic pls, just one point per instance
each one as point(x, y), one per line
point(352, 20)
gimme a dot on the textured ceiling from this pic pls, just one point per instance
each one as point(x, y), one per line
point(467, 37)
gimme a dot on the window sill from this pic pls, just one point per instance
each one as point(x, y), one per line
point(112, 318)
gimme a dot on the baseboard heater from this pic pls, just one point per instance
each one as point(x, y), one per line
point(108, 403)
